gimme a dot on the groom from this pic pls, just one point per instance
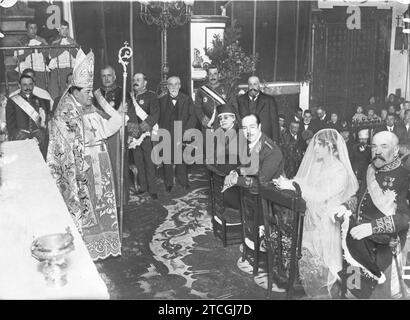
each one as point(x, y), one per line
point(374, 237)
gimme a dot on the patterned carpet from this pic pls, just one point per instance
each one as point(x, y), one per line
point(170, 252)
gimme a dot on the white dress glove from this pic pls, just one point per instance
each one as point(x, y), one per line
point(283, 183)
point(340, 213)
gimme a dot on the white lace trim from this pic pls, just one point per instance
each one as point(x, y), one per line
point(349, 258)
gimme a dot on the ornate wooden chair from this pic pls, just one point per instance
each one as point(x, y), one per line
point(226, 222)
point(283, 214)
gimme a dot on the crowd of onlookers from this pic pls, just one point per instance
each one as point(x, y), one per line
point(392, 115)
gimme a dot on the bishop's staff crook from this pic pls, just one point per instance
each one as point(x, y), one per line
point(124, 56)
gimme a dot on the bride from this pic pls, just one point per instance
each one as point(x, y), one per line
point(327, 180)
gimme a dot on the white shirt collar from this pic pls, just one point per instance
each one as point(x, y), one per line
point(256, 97)
point(251, 145)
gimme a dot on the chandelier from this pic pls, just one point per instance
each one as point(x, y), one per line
point(166, 14)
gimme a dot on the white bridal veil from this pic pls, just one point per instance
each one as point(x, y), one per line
point(327, 180)
point(311, 169)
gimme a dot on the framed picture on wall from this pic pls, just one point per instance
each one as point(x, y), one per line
point(210, 32)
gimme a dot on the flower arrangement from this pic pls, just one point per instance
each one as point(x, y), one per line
point(230, 59)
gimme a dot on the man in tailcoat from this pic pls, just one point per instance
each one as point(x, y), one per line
point(176, 106)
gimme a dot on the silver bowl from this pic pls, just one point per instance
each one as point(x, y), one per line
point(52, 249)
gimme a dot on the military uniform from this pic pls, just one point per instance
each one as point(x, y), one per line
point(113, 96)
point(389, 224)
point(21, 126)
point(205, 104)
point(271, 165)
point(148, 101)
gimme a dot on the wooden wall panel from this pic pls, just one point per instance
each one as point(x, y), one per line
point(265, 39)
point(179, 55)
point(350, 65)
point(286, 41)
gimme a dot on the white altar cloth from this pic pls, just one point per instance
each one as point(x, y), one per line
point(32, 206)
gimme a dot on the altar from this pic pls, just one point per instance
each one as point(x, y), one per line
point(32, 206)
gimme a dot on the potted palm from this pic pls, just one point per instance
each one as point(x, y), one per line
point(230, 59)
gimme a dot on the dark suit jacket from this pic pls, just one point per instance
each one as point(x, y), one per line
point(396, 129)
point(337, 126)
point(185, 112)
point(148, 101)
point(321, 124)
point(292, 152)
point(17, 119)
point(402, 133)
point(20, 126)
point(360, 160)
point(266, 109)
point(311, 127)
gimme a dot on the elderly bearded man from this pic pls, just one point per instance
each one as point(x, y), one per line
point(176, 107)
point(374, 236)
